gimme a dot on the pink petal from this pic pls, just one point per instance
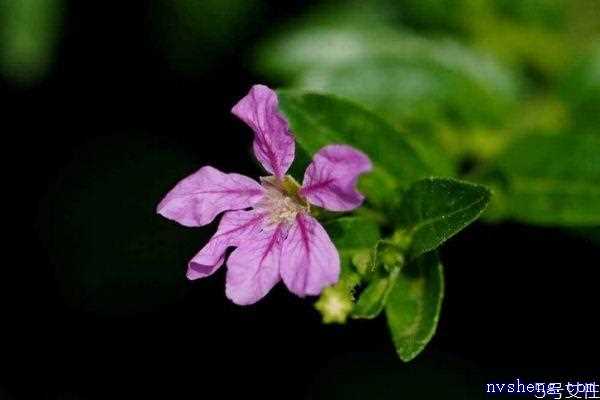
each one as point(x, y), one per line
point(330, 179)
point(235, 228)
point(199, 198)
point(253, 268)
point(309, 260)
point(273, 142)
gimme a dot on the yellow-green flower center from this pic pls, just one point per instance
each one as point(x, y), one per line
point(281, 201)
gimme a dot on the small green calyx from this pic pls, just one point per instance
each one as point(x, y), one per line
point(363, 261)
point(391, 257)
point(336, 302)
point(402, 239)
point(388, 255)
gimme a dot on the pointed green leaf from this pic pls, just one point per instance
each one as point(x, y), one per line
point(319, 120)
point(435, 209)
point(414, 305)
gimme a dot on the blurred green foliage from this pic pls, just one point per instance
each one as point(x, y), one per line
point(464, 79)
point(581, 92)
point(549, 180)
point(29, 34)
point(404, 77)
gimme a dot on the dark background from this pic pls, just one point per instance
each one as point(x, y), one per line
point(100, 307)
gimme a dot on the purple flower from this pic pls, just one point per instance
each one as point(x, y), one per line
point(269, 223)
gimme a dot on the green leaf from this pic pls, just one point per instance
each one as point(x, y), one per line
point(550, 180)
point(351, 234)
point(403, 77)
point(354, 237)
point(318, 120)
point(416, 84)
point(373, 299)
point(435, 209)
point(414, 305)
point(420, 89)
point(385, 264)
point(293, 52)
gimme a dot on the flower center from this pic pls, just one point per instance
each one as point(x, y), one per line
point(281, 201)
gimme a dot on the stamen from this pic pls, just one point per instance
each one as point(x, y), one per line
point(280, 203)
